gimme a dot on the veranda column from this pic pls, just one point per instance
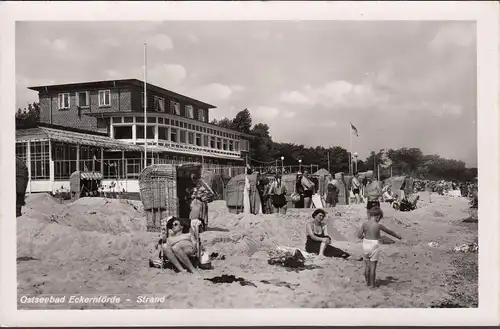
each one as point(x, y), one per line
point(102, 161)
point(28, 165)
point(77, 157)
point(51, 167)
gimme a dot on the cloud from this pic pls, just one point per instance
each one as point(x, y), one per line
point(265, 112)
point(160, 41)
point(111, 42)
point(193, 38)
point(216, 92)
point(294, 97)
point(338, 93)
point(459, 35)
point(289, 115)
point(58, 44)
point(162, 75)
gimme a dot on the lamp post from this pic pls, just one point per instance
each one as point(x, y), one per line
point(282, 168)
point(355, 162)
point(300, 164)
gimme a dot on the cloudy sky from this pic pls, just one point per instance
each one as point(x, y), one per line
point(400, 83)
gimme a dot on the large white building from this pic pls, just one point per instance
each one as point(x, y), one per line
point(99, 127)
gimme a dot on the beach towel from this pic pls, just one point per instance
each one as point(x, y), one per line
point(318, 201)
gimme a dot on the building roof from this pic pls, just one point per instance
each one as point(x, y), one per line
point(72, 137)
point(121, 83)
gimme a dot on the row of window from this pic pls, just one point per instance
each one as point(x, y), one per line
point(176, 135)
point(175, 108)
point(176, 123)
point(83, 99)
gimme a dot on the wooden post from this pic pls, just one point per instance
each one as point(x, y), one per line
point(77, 157)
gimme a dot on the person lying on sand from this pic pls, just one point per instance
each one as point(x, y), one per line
point(370, 233)
point(318, 242)
point(180, 244)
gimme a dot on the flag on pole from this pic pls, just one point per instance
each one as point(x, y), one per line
point(355, 130)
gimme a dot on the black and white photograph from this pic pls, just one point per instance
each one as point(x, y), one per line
point(248, 163)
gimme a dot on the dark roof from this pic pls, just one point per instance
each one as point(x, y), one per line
point(123, 82)
point(73, 137)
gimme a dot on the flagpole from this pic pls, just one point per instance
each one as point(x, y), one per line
point(145, 109)
point(350, 147)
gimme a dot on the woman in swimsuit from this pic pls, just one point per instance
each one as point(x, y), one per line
point(180, 244)
point(318, 242)
point(278, 192)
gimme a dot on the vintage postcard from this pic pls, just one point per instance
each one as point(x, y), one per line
point(249, 163)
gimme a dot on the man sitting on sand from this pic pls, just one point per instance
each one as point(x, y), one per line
point(180, 244)
point(370, 233)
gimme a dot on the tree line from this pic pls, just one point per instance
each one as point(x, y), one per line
point(386, 162)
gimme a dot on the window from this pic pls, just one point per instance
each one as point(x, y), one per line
point(64, 101)
point(160, 120)
point(82, 99)
point(102, 123)
point(231, 146)
point(139, 129)
point(198, 140)
point(244, 145)
point(139, 119)
point(175, 107)
point(224, 144)
point(212, 142)
point(123, 132)
point(104, 98)
point(236, 146)
point(190, 138)
point(182, 136)
point(40, 160)
point(173, 135)
point(189, 111)
point(128, 119)
point(205, 140)
point(219, 146)
point(159, 104)
point(201, 115)
point(151, 119)
point(163, 133)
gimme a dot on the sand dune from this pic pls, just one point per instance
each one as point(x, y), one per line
point(96, 245)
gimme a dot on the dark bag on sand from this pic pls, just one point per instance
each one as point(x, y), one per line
point(287, 257)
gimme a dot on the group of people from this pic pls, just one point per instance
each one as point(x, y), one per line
point(270, 195)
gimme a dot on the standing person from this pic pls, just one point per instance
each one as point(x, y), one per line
point(308, 186)
point(370, 233)
point(332, 192)
point(278, 193)
point(356, 188)
point(373, 192)
point(246, 193)
point(299, 189)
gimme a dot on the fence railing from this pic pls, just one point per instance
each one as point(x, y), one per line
point(272, 169)
point(129, 168)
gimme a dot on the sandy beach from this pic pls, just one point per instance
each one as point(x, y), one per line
point(100, 246)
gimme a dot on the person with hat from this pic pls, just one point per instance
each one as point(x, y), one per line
point(373, 192)
point(299, 189)
point(278, 192)
point(308, 187)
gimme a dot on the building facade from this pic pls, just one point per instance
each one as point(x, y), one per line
point(101, 126)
